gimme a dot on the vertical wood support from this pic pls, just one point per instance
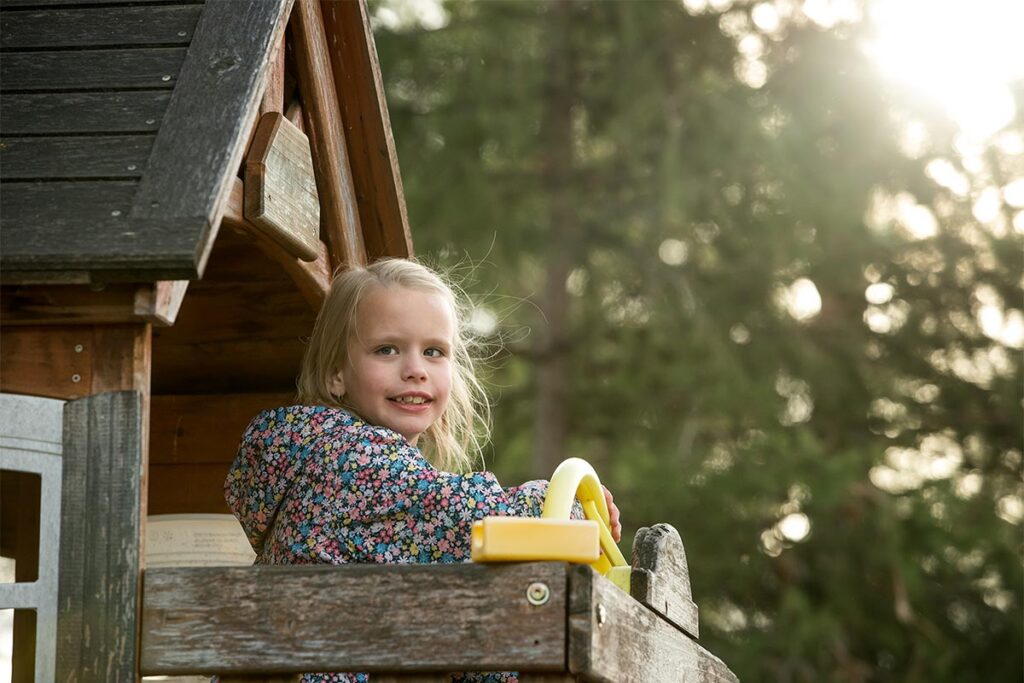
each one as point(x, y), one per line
point(99, 595)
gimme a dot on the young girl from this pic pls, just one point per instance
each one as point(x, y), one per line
point(342, 476)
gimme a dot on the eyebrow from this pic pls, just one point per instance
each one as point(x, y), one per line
point(435, 341)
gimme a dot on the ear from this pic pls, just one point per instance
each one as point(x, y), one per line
point(336, 384)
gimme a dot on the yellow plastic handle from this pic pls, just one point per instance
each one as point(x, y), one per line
point(575, 478)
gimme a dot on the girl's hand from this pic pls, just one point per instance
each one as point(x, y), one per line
point(613, 516)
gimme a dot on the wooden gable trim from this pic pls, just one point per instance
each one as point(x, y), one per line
point(339, 212)
point(371, 146)
point(195, 158)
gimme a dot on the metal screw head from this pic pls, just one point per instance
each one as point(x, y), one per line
point(76, 378)
point(78, 348)
point(538, 593)
point(602, 615)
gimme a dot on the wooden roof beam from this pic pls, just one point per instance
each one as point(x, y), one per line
point(339, 212)
point(371, 146)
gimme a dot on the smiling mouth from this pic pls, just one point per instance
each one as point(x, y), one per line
point(410, 400)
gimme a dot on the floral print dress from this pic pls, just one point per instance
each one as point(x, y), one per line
point(317, 485)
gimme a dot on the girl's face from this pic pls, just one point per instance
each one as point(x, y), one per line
point(398, 371)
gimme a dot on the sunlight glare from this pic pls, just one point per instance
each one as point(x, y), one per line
point(963, 53)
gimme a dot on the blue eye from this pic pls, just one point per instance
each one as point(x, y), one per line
point(387, 350)
point(434, 352)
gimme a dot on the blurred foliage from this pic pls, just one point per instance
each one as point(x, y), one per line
point(708, 186)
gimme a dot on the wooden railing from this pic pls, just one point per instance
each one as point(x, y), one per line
point(551, 621)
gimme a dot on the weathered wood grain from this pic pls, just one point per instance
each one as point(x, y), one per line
point(273, 90)
point(85, 69)
point(38, 204)
point(69, 249)
point(100, 530)
point(67, 304)
point(339, 211)
point(313, 278)
point(98, 26)
point(204, 428)
point(661, 577)
point(159, 302)
point(114, 112)
point(371, 147)
point(46, 361)
point(195, 158)
point(322, 618)
point(71, 158)
point(615, 639)
point(280, 188)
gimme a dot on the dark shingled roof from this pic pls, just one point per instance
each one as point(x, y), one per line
point(121, 129)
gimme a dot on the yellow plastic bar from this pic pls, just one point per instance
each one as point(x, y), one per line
point(519, 539)
point(575, 478)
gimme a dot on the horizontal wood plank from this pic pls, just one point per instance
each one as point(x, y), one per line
point(68, 113)
point(37, 203)
point(204, 428)
point(190, 487)
point(390, 618)
point(615, 639)
point(88, 69)
point(100, 250)
point(98, 26)
point(40, 158)
point(243, 365)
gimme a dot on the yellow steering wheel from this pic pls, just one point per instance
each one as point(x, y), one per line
point(554, 536)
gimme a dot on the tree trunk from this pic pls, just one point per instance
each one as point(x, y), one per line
point(563, 237)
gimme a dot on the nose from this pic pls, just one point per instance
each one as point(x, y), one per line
point(414, 369)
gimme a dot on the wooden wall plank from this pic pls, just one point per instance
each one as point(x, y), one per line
point(229, 58)
point(339, 210)
point(371, 147)
point(97, 27)
point(112, 112)
point(241, 365)
point(613, 638)
point(84, 69)
point(286, 619)
point(191, 487)
point(39, 158)
point(100, 530)
point(74, 361)
point(204, 428)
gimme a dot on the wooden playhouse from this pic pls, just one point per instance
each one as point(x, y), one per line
point(178, 180)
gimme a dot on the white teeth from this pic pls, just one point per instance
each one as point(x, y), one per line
point(411, 399)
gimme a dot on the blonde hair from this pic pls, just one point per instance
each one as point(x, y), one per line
point(455, 440)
